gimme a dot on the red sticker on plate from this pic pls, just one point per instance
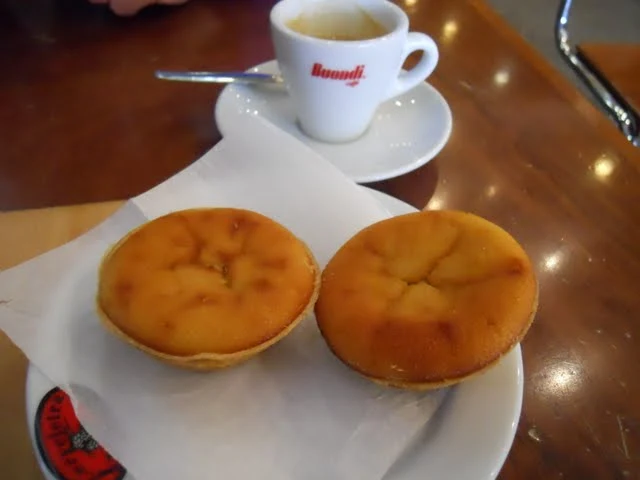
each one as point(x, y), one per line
point(67, 449)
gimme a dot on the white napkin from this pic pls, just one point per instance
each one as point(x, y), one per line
point(293, 412)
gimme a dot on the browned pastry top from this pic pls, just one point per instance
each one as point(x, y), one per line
point(217, 280)
point(426, 298)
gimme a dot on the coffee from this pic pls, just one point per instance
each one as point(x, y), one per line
point(347, 25)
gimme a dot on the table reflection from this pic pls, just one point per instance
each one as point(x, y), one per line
point(603, 167)
point(560, 379)
point(449, 30)
point(491, 191)
point(501, 77)
point(551, 263)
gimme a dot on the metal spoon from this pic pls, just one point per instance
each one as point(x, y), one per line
point(219, 77)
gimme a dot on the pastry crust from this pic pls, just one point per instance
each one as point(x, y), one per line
point(427, 299)
point(206, 288)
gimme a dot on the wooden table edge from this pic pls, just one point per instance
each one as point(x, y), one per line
point(32, 232)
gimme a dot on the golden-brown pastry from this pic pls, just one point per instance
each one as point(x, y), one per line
point(206, 288)
point(427, 299)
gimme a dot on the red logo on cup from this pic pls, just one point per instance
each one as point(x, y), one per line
point(67, 449)
point(353, 76)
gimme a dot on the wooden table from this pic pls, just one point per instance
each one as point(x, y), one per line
point(82, 120)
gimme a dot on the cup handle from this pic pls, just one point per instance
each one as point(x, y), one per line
point(407, 80)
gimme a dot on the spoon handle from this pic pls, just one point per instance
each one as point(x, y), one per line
point(218, 77)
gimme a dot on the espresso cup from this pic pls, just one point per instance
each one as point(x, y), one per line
point(337, 85)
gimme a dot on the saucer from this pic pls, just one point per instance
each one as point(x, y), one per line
point(407, 131)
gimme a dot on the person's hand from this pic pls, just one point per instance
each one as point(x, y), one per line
point(131, 7)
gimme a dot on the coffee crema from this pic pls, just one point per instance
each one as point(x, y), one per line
point(352, 25)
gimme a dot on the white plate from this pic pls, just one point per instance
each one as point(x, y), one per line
point(467, 439)
point(406, 132)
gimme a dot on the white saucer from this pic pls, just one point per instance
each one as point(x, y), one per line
point(406, 132)
point(467, 439)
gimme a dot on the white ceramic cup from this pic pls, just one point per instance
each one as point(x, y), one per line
point(335, 85)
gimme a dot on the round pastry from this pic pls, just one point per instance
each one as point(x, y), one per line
point(426, 299)
point(206, 288)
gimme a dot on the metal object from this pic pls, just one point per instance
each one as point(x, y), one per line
point(219, 77)
point(615, 105)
